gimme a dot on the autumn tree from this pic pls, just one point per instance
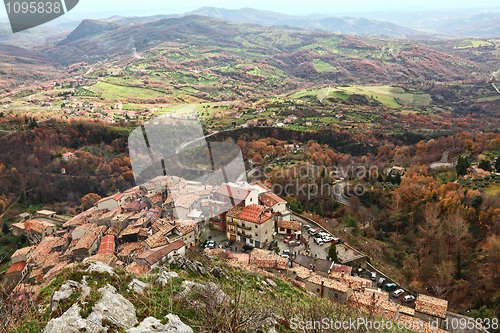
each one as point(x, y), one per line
point(89, 200)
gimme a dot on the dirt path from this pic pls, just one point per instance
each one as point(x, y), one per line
point(326, 95)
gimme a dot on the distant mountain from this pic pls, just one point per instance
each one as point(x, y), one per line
point(228, 51)
point(89, 28)
point(343, 25)
point(485, 25)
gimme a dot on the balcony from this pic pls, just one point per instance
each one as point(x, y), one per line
point(246, 227)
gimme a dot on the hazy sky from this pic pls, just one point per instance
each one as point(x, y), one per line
point(134, 7)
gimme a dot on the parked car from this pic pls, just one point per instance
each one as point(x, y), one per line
point(409, 298)
point(328, 239)
point(271, 245)
point(314, 231)
point(247, 248)
point(288, 238)
point(307, 227)
point(285, 256)
point(373, 276)
point(228, 243)
point(210, 244)
point(294, 243)
point(319, 241)
point(336, 240)
point(380, 282)
point(398, 293)
point(390, 286)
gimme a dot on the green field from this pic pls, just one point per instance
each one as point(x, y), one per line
point(111, 91)
point(323, 67)
point(472, 43)
point(392, 97)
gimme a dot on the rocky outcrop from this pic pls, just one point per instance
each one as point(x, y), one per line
point(153, 325)
point(112, 308)
point(190, 266)
point(164, 276)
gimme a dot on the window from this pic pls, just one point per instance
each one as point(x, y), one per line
point(256, 234)
point(266, 232)
point(251, 241)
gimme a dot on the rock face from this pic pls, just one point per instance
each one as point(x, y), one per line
point(207, 290)
point(137, 286)
point(98, 266)
point(70, 322)
point(190, 266)
point(271, 283)
point(153, 325)
point(112, 307)
point(217, 272)
point(164, 276)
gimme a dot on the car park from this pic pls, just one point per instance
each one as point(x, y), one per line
point(373, 276)
point(409, 298)
point(398, 293)
point(390, 286)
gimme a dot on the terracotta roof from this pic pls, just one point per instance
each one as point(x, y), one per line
point(292, 225)
point(234, 212)
point(266, 259)
point(114, 231)
point(270, 199)
point(431, 305)
point(23, 251)
point(301, 272)
point(186, 201)
point(107, 245)
point(155, 198)
point(160, 223)
point(160, 239)
point(90, 237)
point(154, 255)
point(185, 227)
point(375, 301)
point(237, 193)
point(20, 225)
point(17, 267)
point(114, 197)
point(128, 249)
point(135, 205)
point(255, 214)
point(339, 268)
point(38, 226)
point(328, 283)
point(352, 281)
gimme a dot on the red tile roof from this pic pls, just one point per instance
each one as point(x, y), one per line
point(107, 245)
point(17, 267)
point(292, 225)
point(431, 305)
point(152, 256)
point(255, 214)
point(160, 239)
point(186, 201)
point(270, 199)
point(115, 197)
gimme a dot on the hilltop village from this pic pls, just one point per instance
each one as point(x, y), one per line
point(168, 217)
